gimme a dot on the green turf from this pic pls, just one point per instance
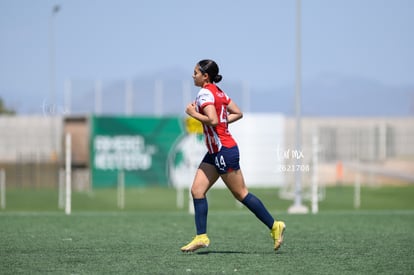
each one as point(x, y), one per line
point(164, 199)
point(342, 242)
point(98, 238)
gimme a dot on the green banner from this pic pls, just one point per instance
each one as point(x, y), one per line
point(138, 146)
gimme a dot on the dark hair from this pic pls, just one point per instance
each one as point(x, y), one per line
point(211, 68)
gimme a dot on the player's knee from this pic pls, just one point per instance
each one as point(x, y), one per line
point(240, 195)
point(197, 193)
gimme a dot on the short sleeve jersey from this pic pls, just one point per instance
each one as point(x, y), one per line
point(218, 136)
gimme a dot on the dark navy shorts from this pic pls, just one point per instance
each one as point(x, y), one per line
point(226, 160)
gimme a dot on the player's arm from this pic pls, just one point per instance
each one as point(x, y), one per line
point(234, 112)
point(209, 117)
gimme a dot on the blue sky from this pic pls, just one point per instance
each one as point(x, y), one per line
point(252, 41)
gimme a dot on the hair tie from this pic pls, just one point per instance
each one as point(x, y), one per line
point(201, 69)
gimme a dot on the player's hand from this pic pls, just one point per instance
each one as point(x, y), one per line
point(191, 109)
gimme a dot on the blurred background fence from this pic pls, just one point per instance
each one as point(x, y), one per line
point(31, 148)
point(155, 96)
point(141, 119)
point(352, 150)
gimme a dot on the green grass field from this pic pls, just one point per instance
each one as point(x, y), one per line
point(36, 238)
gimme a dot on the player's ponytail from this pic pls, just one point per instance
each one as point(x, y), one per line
point(211, 68)
point(217, 78)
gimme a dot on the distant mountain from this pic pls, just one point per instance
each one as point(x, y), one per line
point(350, 96)
point(168, 91)
point(341, 96)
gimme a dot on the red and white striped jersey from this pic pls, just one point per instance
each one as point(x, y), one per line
point(217, 136)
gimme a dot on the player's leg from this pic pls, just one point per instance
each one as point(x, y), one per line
point(205, 177)
point(235, 182)
point(228, 164)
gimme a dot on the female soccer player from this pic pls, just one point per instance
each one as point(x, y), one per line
point(215, 110)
